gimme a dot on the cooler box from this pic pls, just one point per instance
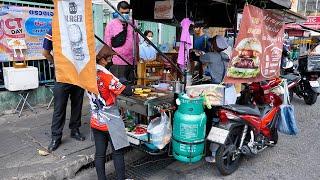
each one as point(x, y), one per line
point(17, 79)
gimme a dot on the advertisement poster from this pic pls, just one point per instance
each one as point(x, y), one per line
point(74, 46)
point(258, 47)
point(26, 26)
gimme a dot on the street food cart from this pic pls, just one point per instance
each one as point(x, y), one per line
point(214, 13)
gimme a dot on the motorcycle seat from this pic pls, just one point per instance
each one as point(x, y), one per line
point(241, 109)
point(290, 77)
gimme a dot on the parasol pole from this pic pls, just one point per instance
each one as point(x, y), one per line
point(145, 38)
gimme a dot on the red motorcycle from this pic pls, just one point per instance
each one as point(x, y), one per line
point(247, 129)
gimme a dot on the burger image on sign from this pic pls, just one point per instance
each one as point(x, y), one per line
point(246, 64)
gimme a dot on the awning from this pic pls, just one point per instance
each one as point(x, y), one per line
point(312, 23)
point(218, 13)
point(284, 3)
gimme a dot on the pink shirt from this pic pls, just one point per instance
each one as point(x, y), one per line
point(113, 28)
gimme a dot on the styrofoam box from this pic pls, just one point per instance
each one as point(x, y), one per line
point(16, 79)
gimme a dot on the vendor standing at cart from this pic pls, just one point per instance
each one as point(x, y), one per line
point(200, 46)
point(106, 123)
point(217, 61)
point(120, 36)
point(200, 39)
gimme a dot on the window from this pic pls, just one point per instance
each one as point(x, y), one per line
point(309, 7)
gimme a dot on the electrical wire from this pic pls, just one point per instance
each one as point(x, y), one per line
point(228, 12)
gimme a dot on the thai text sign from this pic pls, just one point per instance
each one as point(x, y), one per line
point(23, 24)
point(258, 47)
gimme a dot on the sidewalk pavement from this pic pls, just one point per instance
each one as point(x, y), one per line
point(20, 139)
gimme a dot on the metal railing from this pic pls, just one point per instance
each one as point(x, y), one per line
point(46, 72)
point(27, 3)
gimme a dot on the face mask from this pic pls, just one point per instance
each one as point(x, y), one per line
point(150, 38)
point(126, 17)
point(115, 15)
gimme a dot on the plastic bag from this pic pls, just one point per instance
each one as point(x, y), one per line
point(286, 123)
point(160, 131)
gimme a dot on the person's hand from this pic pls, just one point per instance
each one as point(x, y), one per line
point(198, 52)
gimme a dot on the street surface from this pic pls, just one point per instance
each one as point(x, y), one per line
point(294, 158)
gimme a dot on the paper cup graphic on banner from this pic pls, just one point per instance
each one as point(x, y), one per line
point(72, 28)
point(270, 67)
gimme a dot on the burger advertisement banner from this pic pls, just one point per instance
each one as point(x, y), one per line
point(74, 46)
point(258, 47)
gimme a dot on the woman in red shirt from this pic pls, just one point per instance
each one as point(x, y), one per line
point(106, 124)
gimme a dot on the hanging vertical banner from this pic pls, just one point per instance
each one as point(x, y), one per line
point(258, 47)
point(23, 28)
point(73, 43)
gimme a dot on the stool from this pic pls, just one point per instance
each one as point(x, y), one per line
point(50, 87)
point(24, 101)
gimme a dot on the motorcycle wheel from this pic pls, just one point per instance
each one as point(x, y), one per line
point(311, 97)
point(227, 160)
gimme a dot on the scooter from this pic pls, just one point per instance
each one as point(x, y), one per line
point(247, 129)
point(303, 79)
point(309, 87)
point(289, 72)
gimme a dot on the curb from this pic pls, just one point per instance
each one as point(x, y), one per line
point(76, 165)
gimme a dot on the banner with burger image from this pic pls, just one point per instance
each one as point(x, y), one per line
point(258, 48)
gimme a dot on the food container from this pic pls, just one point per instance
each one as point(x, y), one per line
point(214, 93)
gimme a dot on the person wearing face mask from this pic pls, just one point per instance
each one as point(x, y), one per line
point(146, 51)
point(120, 36)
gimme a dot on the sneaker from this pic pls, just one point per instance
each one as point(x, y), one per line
point(210, 159)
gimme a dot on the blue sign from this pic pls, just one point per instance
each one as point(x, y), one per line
point(38, 26)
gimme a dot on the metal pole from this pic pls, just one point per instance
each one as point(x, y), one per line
point(305, 7)
point(317, 11)
point(317, 7)
point(145, 38)
point(235, 27)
